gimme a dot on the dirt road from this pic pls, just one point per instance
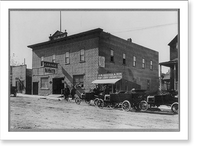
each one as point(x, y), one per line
point(36, 114)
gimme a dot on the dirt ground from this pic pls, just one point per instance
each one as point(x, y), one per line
point(36, 114)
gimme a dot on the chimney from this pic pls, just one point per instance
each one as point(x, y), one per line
point(130, 40)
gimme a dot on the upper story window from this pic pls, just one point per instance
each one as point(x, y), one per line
point(67, 58)
point(143, 63)
point(151, 65)
point(54, 58)
point(42, 59)
point(124, 58)
point(134, 61)
point(82, 55)
point(111, 56)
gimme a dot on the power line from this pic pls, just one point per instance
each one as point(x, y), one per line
point(144, 28)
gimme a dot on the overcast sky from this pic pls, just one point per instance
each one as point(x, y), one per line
point(152, 29)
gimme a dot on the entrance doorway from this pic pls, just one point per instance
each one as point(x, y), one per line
point(58, 85)
point(35, 88)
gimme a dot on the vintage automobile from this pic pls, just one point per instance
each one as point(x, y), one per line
point(167, 98)
point(87, 97)
point(13, 90)
point(125, 100)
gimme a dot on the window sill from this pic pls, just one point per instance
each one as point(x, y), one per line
point(67, 63)
point(82, 62)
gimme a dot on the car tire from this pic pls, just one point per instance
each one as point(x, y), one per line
point(174, 107)
point(100, 103)
point(143, 105)
point(126, 106)
point(77, 100)
point(96, 101)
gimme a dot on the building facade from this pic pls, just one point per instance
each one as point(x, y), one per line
point(173, 65)
point(21, 78)
point(78, 60)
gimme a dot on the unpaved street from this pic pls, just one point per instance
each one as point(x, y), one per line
point(35, 114)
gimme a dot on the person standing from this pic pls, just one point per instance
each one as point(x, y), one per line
point(67, 92)
point(73, 92)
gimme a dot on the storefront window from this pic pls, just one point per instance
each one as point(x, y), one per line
point(44, 83)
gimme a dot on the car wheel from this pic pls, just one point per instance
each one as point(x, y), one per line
point(77, 100)
point(143, 106)
point(126, 106)
point(96, 101)
point(100, 103)
point(174, 107)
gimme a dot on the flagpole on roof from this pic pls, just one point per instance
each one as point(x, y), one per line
point(60, 21)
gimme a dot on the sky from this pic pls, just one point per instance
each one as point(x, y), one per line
point(149, 28)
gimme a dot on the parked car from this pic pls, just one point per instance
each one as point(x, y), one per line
point(167, 98)
point(125, 100)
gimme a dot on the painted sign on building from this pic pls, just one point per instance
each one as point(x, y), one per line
point(49, 64)
point(49, 71)
point(110, 76)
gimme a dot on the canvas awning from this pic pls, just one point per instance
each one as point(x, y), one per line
point(105, 81)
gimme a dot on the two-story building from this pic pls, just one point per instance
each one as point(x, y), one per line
point(172, 64)
point(81, 58)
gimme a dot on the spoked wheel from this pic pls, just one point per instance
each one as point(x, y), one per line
point(96, 101)
point(143, 105)
point(100, 103)
point(174, 107)
point(126, 106)
point(87, 101)
point(77, 100)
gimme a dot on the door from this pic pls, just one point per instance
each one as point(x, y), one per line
point(58, 85)
point(35, 88)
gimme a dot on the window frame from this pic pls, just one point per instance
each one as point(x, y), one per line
point(46, 86)
point(143, 63)
point(151, 65)
point(111, 55)
point(134, 61)
point(42, 59)
point(54, 58)
point(82, 55)
point(124, 59)
point(67, 57)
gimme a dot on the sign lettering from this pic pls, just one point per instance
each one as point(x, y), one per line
point(110, 76)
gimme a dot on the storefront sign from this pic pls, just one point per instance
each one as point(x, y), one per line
point(49, 64)
point(49, 71)
point(110, 76)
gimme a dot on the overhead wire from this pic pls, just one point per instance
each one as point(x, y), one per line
point(144, 28)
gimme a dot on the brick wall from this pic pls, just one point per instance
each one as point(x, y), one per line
point(89, 68)
point(134, 74)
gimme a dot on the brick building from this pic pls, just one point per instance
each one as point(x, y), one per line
point(21, 77)
point(79, 59)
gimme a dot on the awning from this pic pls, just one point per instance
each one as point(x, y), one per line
point(105, 81)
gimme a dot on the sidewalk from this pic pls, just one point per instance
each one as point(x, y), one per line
point(58, 97)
